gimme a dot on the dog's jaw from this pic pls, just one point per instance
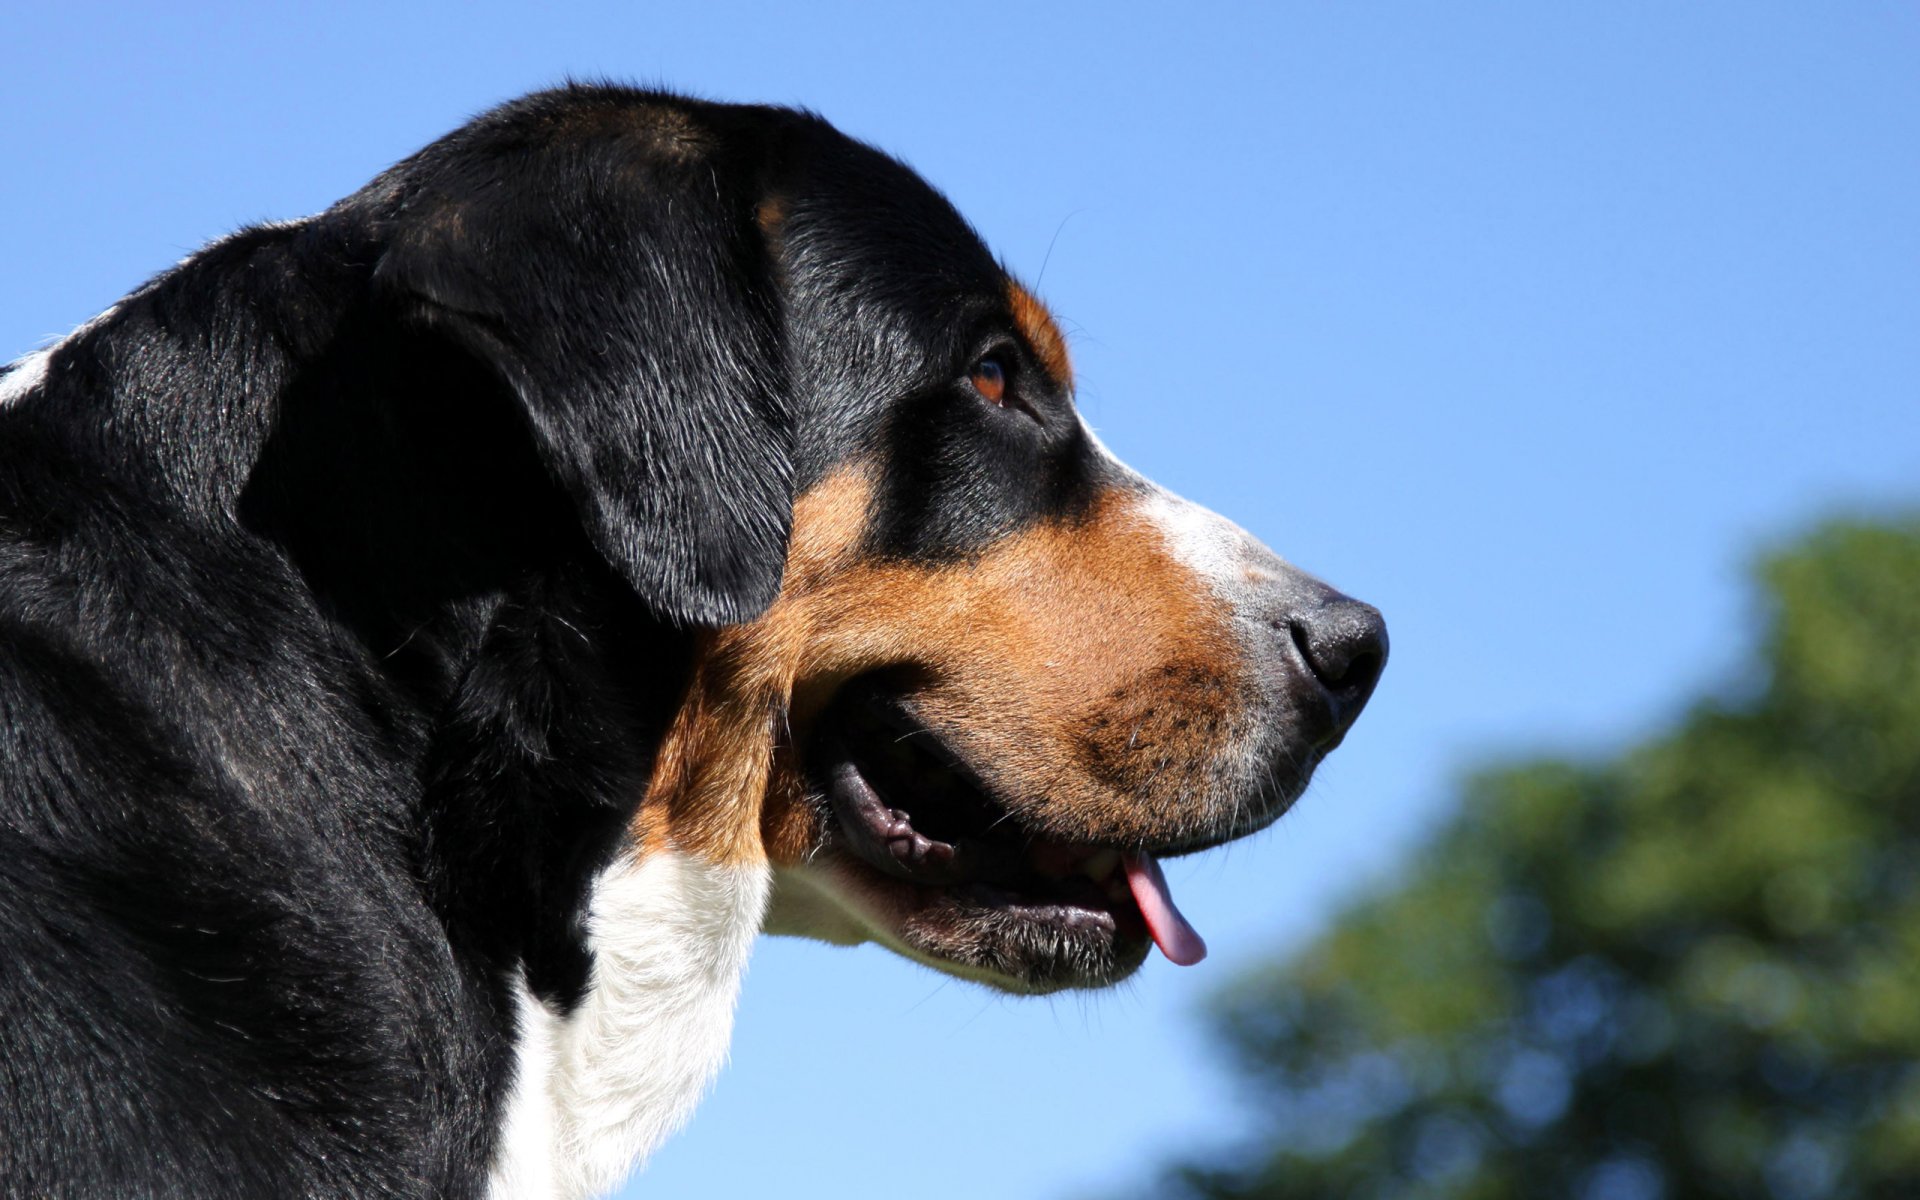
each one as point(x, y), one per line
point(598, 1089)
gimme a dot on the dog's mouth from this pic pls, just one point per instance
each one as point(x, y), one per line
point(964, 882)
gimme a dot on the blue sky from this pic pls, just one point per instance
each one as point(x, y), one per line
point(1527, 323)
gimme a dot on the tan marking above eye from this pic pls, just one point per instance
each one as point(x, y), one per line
point(1037, 325)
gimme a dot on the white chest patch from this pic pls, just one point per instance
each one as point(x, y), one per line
point(597, 1090)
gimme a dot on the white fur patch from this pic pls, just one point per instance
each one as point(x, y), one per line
point(523, 1161)
point(29, 371)
point(23, 375)
point(1205, 542)
point(1229, 560)
point(598, 1090)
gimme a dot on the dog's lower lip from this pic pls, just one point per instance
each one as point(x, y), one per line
point(1088, 913)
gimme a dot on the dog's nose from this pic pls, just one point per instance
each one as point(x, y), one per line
point(1344, 645)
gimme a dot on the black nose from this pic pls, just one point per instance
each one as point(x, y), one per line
point(1344, 644)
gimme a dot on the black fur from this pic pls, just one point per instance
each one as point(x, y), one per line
point(346, 575)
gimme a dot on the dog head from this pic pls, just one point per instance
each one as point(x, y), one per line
point(960, 677)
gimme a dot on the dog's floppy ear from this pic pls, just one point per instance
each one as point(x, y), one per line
point(627, 295)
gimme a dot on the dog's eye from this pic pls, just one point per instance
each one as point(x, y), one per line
point(989, 378)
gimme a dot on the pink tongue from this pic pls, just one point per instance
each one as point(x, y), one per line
point(1176, 939)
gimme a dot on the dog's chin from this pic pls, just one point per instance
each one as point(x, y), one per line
point(1048, 939)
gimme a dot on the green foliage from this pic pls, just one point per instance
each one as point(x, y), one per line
point(1692, 971)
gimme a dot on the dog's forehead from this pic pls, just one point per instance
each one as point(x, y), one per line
point(874, 252)
point(889, 292)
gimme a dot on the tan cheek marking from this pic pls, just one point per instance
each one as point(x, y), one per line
point(1027, 649)
point(1051, 657)
point(715, 790)
point(1111, 674)
point(1037, 325)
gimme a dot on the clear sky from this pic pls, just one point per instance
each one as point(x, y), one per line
point(1528, 323)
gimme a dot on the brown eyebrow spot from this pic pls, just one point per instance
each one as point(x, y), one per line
point(771, 214)
point(1037, 326)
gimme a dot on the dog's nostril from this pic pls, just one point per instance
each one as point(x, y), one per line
point(1362, 673)
point(1344, 644)
point(1299, 633)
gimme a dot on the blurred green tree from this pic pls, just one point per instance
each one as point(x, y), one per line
point(1691, 971)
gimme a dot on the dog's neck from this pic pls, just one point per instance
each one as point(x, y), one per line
point(315, 439)
point(597, 1089)
point(180, 395)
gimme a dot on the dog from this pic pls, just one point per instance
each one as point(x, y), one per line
point(438, 635)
